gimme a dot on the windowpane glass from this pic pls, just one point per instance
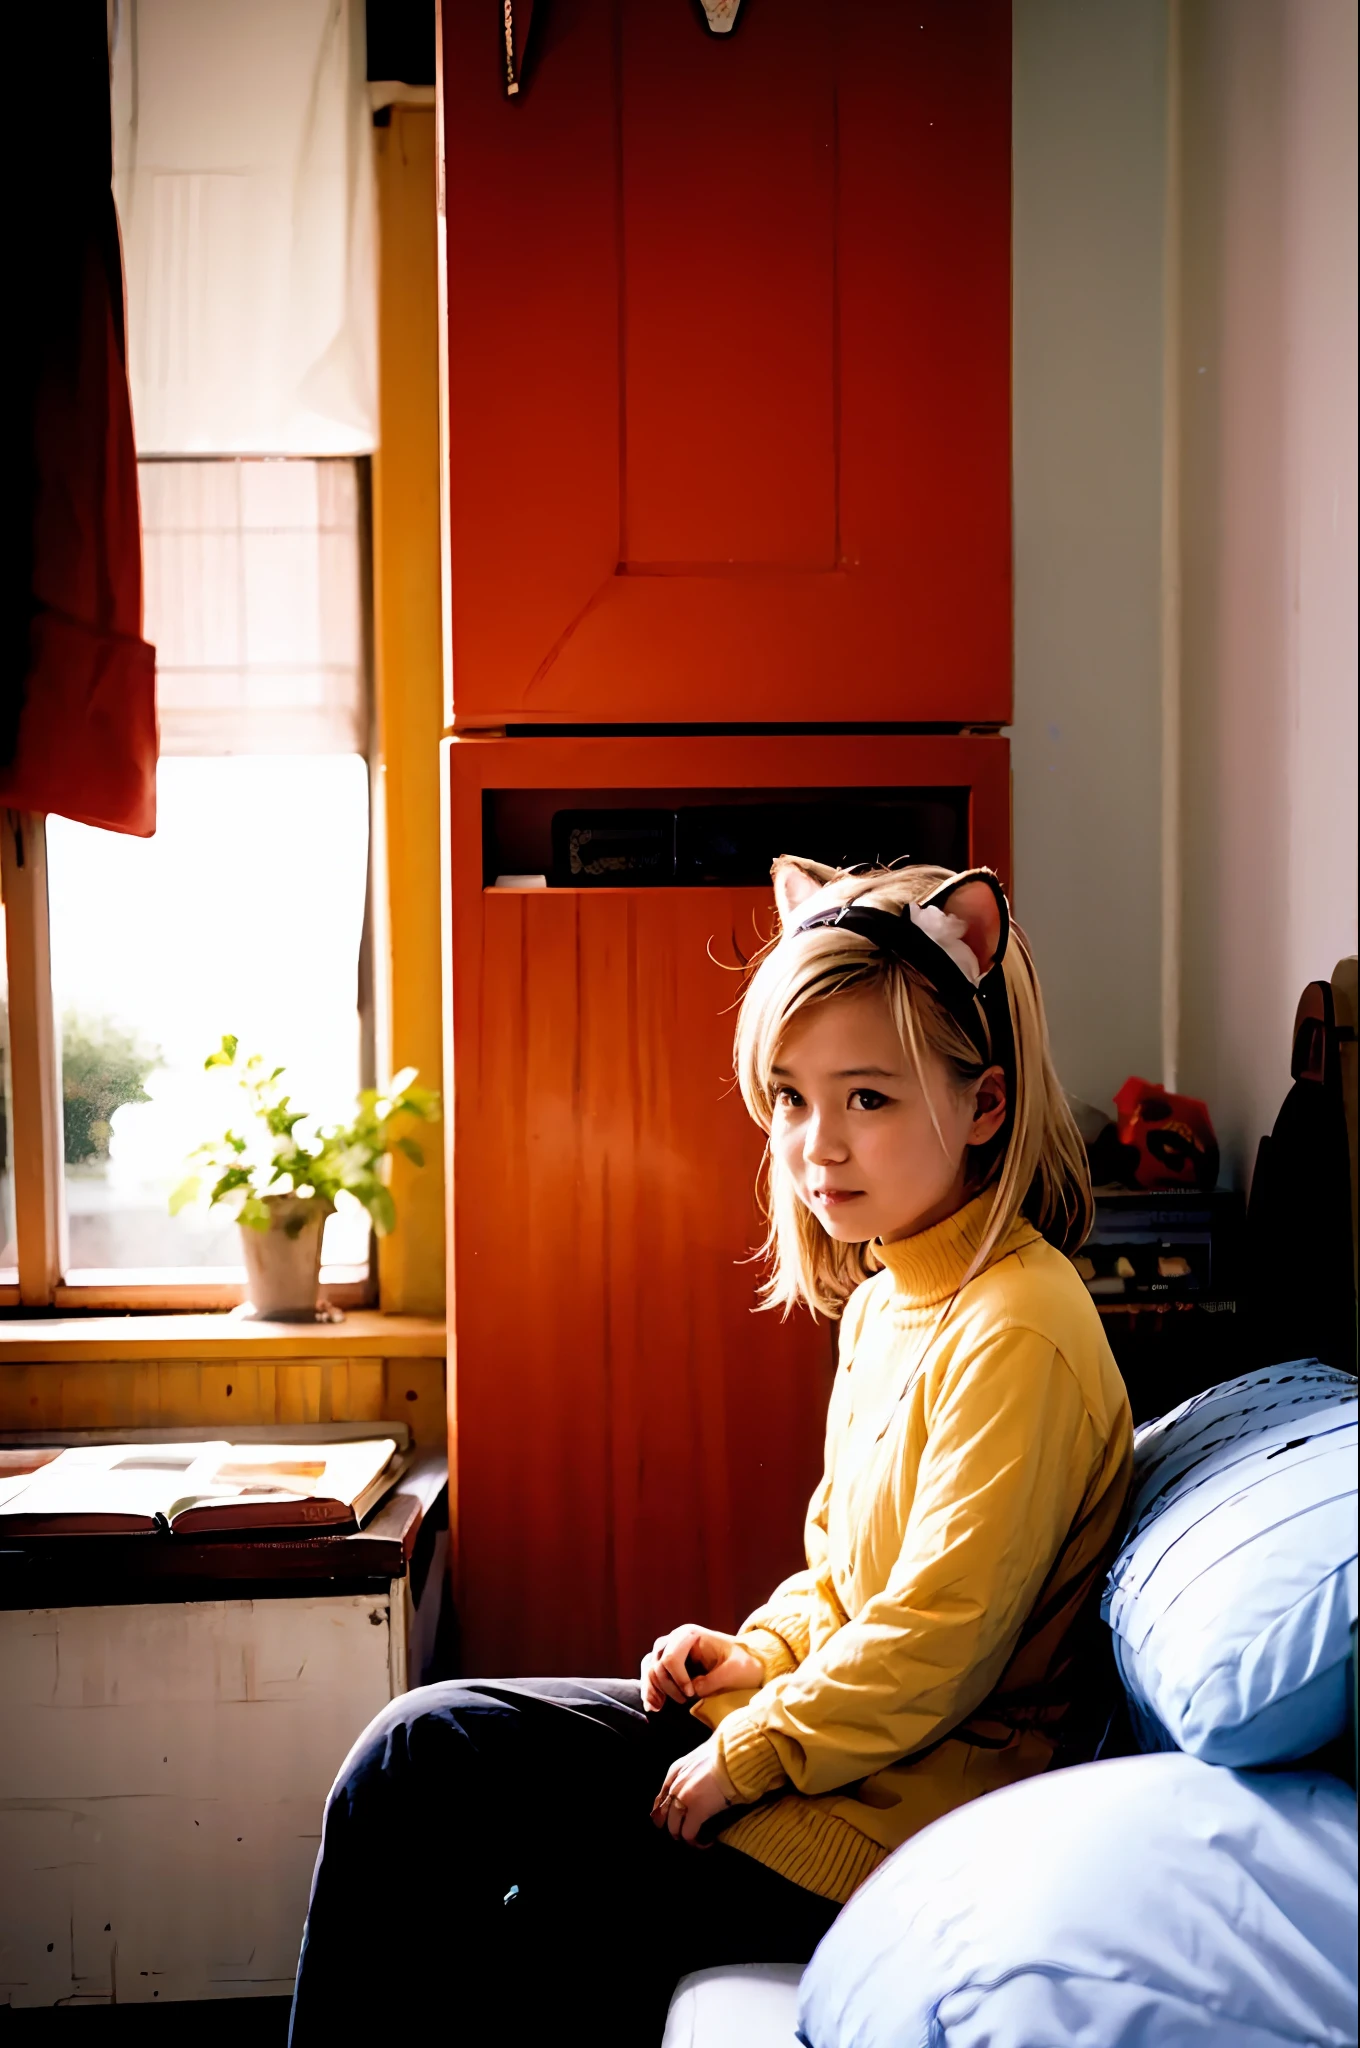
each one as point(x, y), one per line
point(253, 606)
point(243, 914)
point(9, 1270)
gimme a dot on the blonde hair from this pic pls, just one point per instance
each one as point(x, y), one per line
point(1036, 1164)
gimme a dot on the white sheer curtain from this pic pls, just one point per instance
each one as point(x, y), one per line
point(243, 171)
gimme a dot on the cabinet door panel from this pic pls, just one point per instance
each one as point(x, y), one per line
point(729, 268)
point(728, 365)
point(633, 1445)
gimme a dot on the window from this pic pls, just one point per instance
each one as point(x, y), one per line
point(246, 912)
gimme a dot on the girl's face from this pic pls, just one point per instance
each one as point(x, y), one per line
point(853, 1128)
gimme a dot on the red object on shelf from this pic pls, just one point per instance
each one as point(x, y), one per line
point(1171, 1136)
point(632, 1446)
point(728, 362)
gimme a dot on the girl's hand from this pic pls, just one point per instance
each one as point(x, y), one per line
point(726, 1665)
point(690, 1795)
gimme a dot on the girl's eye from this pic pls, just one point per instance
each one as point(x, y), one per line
point(788, 1098)
point(868, 1098)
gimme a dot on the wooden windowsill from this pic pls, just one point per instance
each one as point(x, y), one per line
point(365, 1333)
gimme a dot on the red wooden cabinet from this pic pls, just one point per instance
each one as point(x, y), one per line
point(632, 1445)
point(727, 383)
point(728, 362)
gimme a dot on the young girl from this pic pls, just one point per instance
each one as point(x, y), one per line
point(925, 1183)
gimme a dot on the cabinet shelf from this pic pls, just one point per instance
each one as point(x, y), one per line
point(714, 837)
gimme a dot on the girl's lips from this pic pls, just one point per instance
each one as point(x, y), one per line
point(832, 1197)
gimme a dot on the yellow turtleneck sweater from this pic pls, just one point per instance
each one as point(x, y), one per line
point(978, 1453)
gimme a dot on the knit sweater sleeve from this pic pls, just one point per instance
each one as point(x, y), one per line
point(1009, 1451)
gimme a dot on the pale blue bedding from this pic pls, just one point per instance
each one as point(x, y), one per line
point(1146, 1902)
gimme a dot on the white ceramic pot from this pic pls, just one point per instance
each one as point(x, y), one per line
point(283, 1263)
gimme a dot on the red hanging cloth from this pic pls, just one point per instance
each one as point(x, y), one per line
point(77, 680)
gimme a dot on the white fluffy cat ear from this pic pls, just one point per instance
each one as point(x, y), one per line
point(796, 882)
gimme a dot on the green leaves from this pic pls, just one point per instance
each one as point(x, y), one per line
point(281, 1120)
point(284, 1151)
point(227, 1183)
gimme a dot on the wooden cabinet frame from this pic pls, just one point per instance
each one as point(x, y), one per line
point(630, 1444)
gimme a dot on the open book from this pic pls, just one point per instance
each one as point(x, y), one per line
point(199, 1489)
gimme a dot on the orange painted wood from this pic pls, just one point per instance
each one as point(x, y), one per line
point(632, 1446)
point(729, 365)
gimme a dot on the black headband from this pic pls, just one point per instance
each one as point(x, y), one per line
point(982, 1009)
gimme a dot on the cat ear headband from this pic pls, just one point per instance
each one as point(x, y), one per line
point(957, 940)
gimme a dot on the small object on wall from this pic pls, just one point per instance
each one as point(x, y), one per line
point(516, 19)
point(1171, 1137)
point(720, 16)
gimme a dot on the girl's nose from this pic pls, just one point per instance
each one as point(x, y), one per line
point(824, 1144)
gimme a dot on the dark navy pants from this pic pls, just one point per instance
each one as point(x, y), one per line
point(488, 1869)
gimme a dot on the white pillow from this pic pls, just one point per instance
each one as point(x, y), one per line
point(1146, 1902)
point(746, 2005)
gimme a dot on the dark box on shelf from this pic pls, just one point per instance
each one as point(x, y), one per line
point(732, 844)
point(612, 849)
point(1164, 1245)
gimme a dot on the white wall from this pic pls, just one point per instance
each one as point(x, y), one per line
point(1268, 506)
point(1089, 151)
point(1262, 480)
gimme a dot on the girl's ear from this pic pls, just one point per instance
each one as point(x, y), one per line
point(975, 906)
point(796, 882)
point(989, 1108)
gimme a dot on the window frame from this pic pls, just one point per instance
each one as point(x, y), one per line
point(35, 1082)
point(46, 1279)
point(402, 997)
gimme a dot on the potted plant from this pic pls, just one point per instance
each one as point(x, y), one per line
point(284, 1170)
